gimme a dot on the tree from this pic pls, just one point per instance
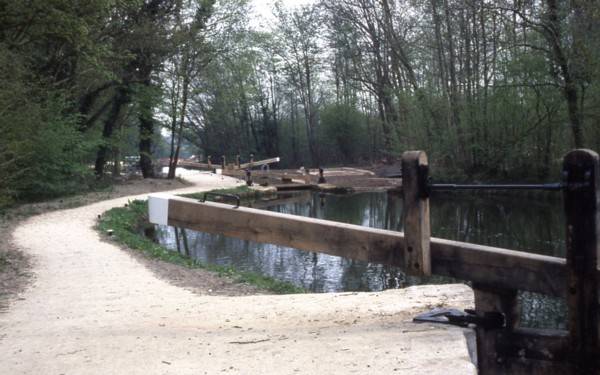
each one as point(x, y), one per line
point(298, 44)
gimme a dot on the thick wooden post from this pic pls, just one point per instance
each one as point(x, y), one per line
point(321, 176)
point(248, 177)
point(223, 163)
point(237, 161)
point(493, 300)
point(581, 174)
point(417, 231)
point(209, 161)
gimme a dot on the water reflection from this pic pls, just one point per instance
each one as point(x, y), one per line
point(503, 222)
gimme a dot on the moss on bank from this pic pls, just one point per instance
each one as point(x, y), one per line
point(128, 225)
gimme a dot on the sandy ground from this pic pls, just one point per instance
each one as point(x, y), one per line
point(95, 309)
point(15, 265)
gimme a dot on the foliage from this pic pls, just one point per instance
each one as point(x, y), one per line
point(127, 224)
point(491, 90)
point(343, 128)
point(41, 150)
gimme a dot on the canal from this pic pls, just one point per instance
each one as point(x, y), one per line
point(509, 222)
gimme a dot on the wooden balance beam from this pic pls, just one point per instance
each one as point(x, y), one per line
point(205, 166)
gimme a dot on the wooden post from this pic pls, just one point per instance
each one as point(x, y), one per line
point(248, 177)
point(581, 174)
point(307, 176)
point(209, 161)
point(321, 176)
point(251, 161)
point(417, 231)
point(493, 300)
point(237, 161)
point(223, 163)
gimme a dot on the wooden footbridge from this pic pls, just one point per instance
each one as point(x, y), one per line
point(496, 274)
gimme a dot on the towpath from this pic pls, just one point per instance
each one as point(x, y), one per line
point(94, 309)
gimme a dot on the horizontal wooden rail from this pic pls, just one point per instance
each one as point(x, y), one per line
point(503, 268)
point(204, 166)
point(481, 264)
point(258, 163)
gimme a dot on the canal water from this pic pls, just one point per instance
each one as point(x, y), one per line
point(519, 224)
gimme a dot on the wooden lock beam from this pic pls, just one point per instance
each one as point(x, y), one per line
point(416, 251)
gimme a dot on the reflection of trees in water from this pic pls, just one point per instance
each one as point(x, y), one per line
point(517, 224)
point(493, 221)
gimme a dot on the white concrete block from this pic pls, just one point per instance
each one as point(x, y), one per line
point(158, 208)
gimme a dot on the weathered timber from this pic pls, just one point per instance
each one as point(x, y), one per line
point(209, 166)
point(581, 174)
point(193, 165)
point(489, 265)
point(259, 163)
point(496, 301)
point(538, 344)
point(508, 269)
point(524, 351)
point(415, 214)
point(351, 241)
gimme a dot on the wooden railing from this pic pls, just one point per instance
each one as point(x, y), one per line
point(496, 274)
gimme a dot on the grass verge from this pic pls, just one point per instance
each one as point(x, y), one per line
point(131, 222)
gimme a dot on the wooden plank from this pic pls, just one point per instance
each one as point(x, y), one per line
point(493, 300)
point(526, 351)
point(487, 354)
point(502, 268)
point(415, 214)
point(581, 173)
point(193, 165)
point(351, 241)
point(534, 344)
point(259, 163)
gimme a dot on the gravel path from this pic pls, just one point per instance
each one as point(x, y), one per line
point(94, 309)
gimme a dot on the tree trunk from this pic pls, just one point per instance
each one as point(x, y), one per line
point(184, 101)
point(120, 99)
point(569, 86)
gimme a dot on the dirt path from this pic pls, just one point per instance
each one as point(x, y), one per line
point(94, 309)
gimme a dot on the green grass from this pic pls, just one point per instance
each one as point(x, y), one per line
point(129, 223)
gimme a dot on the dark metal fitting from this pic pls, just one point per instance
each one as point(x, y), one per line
point(486, 320)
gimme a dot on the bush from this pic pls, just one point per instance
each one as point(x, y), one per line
point(343, 131)
point(42, 153)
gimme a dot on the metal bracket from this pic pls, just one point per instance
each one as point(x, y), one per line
point(489, 320)
point(230, 196)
